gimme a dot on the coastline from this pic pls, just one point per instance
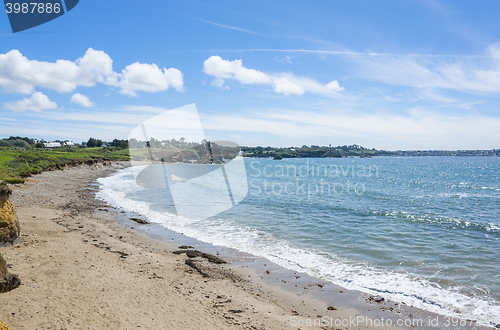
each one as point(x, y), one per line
point(85, 265)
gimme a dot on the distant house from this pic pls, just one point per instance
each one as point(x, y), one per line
point(69, 143)
point(52, 145)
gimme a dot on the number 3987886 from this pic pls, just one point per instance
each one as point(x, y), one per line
point(33, 7)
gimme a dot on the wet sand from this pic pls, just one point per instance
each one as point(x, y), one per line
point(86, 265)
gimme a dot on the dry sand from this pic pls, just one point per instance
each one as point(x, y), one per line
point(82, 269)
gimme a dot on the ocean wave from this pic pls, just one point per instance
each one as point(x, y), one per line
point(441, 220)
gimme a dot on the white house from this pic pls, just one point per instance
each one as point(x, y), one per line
point(52, 145)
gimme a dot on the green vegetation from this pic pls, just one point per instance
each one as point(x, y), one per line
point(17, 142)
point(312, 151)
point(355, 150)
point(17, 163)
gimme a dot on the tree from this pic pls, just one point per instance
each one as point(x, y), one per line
point(120, 144)
point(91, 143)
point(14, 142)
point(26, 139)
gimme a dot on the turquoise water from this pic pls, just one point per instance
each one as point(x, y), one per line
point(423, 230)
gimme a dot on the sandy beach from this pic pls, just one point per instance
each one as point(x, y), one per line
point(82, 269)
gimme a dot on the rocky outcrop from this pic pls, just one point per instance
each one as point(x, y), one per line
point(8, 281)
point(9, 224)
point(3, 267)
point(3, 326)
point(9, 231)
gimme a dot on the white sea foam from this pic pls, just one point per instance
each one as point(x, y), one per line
point(401, 287)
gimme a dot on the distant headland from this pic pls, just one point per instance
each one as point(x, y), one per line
point(354, 150)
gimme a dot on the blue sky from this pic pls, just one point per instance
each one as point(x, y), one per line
point(383, 74)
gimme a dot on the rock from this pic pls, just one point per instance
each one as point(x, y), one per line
point(196, 265)
point(4, 189)
point(278, 157)
point(3, 267)
point(9, 223)
point(3, 326)
point(331, 308)
point(8, 281)
point(140, 221)
point(213, 259)
point(195, 253)
point(376, 298)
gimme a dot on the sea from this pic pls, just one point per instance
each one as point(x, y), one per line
point(419, 230)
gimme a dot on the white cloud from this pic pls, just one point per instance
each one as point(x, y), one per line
point(82, 100)
point(433, 95)
point(470, 75)
point(224, 69)
point(36, 103)
point(149, 78)
point(285, 59)
point(283, 83)
point(334, 86)
point(235, 28)
point(18, 74)
point(479, 73)
point(286, 86)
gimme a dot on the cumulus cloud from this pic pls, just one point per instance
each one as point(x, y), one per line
point(224, 69)
point(82, 100)
point(18, 74)
point(149, 78)
point(36, 103)
point(282, 83)
point(286, 86)
point(334, 86)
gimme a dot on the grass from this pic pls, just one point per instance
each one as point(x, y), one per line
point(17, 164)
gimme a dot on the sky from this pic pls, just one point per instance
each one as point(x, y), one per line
point(393, 75)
